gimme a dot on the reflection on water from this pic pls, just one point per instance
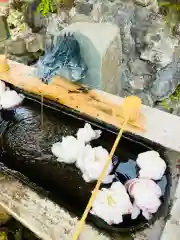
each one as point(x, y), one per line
point(126, 171)
point(163, 184)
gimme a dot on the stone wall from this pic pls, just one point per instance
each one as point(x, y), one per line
point(151, 62)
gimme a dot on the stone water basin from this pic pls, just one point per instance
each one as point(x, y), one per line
point(26, 148)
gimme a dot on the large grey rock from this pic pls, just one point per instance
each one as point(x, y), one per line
point(177, 29)
point(80, 18)
point(35, 42)
point(167, 79)
point(3, 29)
point(84, 8)
point(27, 59)
point(125, 75)
point(16, 47)
point(160, 46)
point(100, 8)
point(141, 74)
point(54, 23)
point(153, 39)
point(149, 4)
point(121, 13)
point(100, 45)
point(143, 20)
point(136, 77)
point(146, 98)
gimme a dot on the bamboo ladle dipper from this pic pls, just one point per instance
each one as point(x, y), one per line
point(130, 112)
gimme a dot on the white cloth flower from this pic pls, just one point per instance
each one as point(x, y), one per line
point(151, 165)
point(10, 99)
point(146, 194)
point(111, 204)
point(68, 150)
point(87, 134)
point(91, 162)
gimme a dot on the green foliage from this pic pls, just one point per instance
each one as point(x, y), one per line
point(176, 94)
point(3, 236)
point(165, 104)
point(174, 97)
point(49, 6)
point(171, 13)
point(13, 230)
point(46, 6)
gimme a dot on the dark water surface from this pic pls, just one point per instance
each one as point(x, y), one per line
point(26, 147)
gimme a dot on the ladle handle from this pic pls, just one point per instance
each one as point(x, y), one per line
point(81, 223)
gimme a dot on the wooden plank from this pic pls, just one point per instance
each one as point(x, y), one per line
point(66, 93)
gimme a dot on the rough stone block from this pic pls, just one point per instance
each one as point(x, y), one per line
point(34, 43)
point(4, 9)
point(101, 49)
point(16, 47)
point(3, 29)
point(80, 18)
point(175, 212)
point(171, 231)
point(2, 47)
point(177, 194)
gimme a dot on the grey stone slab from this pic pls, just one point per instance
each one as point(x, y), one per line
point(171, 232)
point(175, 212)
point(43, 217)
point(100, 45)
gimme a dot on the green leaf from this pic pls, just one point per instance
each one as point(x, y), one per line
point(45, 7)
point(3, 236)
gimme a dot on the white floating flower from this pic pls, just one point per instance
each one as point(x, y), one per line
point(91, 162)
point(146, 194)
point(87, 134)
point(111, 204)
point(68, 150)
point(151, 165)
point(10, 99)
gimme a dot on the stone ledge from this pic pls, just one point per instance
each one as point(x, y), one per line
point(161, 127)
point(177, 194)
point(171, 231)
point(46, 219)
point(172, 227)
